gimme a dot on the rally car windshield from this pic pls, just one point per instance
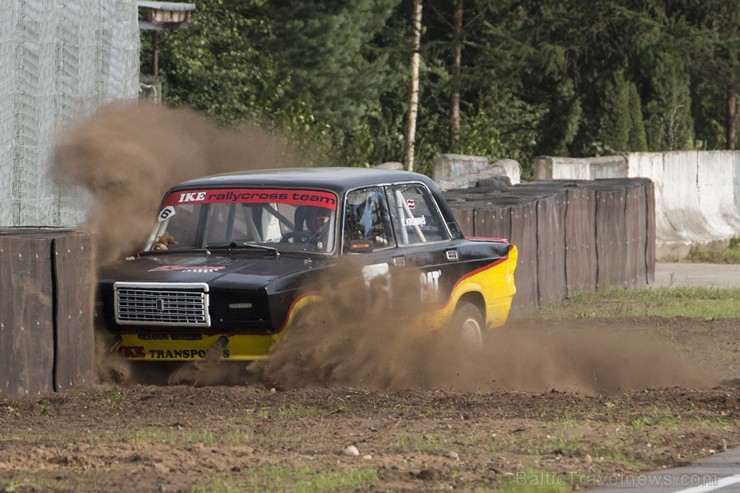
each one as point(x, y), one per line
point(246, 219)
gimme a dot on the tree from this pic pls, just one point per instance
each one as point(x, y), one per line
point(500, 78)
point(455, 74)
point(637, 141)
point(328, 50)
point(614, 131)
point(216, 65)
point(311, 68)
point(669, 124)
point(414, 88)
point(713, 28)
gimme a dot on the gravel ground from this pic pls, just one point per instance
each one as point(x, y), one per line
point(720, 276)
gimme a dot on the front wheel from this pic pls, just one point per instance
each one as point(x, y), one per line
point(467, 325)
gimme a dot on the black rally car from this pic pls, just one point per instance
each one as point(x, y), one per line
point(234, 259)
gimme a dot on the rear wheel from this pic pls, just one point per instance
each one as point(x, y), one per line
point(467, 325)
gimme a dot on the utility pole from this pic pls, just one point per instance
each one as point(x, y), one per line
point(156, 17)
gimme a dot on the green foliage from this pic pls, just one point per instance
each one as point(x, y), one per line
point(500, 126)
point(637, 140)
point(327, 50)
point(615, 126)
point(556, 77)
point(294, 479)
point(620, 127)
point(216, 65)
point(717, 255)
point(669, 125)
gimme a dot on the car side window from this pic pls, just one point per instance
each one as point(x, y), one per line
point(366, 218)
point(416, 218)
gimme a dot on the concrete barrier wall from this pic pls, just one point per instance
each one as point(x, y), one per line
point(697, 193)
point(736, 159)
point(572, 235)
point(452, 171)
point(564, 168)
point(46, 329)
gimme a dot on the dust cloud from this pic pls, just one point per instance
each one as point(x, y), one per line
point(351, 341)
point(127, 155)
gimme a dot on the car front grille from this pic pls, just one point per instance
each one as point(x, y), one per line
point(181, 304)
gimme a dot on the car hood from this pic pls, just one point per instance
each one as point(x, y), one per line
point(232, 270)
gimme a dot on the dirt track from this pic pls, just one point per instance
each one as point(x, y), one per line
point(570, 420)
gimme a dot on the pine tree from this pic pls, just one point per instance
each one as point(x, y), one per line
point(327, 50)
point(614, 131)
point(669, 123)
point(637, 141)
point(713, 28)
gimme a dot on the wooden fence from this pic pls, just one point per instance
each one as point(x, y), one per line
point(572, 235)
point(46, 328)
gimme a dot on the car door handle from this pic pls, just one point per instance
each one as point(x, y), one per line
point(399, 261)
point(452, 255)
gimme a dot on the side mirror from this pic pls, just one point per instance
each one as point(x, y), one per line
point(360, 246)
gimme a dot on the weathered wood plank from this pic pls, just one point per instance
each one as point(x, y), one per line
point(26, 329)
point(611, 237)
point(580, 240)
point(551, 285)
point(524, 236)
point(74, 288)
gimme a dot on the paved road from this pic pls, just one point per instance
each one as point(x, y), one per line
point(705, 275)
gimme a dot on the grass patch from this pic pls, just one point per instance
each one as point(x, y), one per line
point(431, 444)
point(692, 302)
point(653, 421)
point(717, 255)
point(289, 412)
point(532, 446)
point(425, 444)
point(114, 397)
point(290, 479)
point(170, 436)
point(536, 481)
point(541, 445)
point(27, 485)
point(407, 411)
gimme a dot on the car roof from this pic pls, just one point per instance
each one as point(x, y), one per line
point(333, 179)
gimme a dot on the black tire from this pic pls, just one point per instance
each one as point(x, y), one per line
point(467, 326)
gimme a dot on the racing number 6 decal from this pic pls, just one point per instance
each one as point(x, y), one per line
point(166, 213)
